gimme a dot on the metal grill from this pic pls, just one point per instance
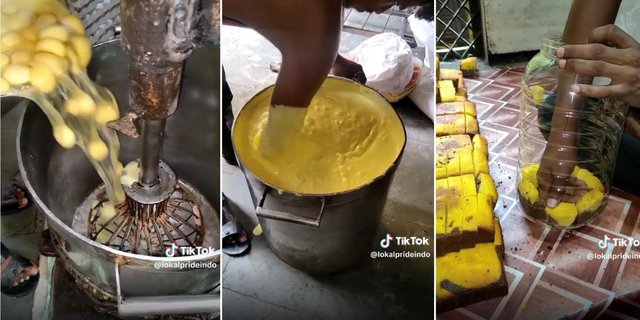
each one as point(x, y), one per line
point(459, 29)
point(149, 228)
point(393, 20)
point(100, 17)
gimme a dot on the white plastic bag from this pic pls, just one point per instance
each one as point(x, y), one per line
point(423, 95)
point(423, 31)
point(386, 61)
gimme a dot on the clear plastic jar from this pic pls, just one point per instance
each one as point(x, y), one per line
point(597, 130)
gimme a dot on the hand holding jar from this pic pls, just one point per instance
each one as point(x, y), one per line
point(610, 53)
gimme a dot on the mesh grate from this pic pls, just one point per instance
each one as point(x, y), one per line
point(393, 20)
point(100, 17)
point(458, 29)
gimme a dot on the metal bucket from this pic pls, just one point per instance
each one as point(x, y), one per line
point(320, 233)
point(60, 180)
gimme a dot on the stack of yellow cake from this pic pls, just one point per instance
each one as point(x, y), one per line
point(455, 115)
point(469, 247)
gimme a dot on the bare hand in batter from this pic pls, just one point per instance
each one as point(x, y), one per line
point(610, 53)
point(555, 182)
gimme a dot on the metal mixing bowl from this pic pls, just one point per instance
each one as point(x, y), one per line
point(60, 180)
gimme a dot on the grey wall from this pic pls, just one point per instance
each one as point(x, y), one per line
point(514, 26)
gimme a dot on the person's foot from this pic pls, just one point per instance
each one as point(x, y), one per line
point(19, 275)
point(235, 240)
point(14, 197)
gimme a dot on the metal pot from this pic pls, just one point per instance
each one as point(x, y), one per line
point(320, 233)
point(60, 180)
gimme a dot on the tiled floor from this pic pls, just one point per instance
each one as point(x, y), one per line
point(261, 286)
point(375, 22)
point(549, 273)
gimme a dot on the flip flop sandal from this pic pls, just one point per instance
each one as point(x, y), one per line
point(47, 246)
point(15, 198)
point(235, 240)
point(16, 265)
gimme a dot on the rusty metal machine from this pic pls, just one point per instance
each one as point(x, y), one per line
point(157, 37)
point(156, 67)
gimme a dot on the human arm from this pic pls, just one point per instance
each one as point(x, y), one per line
point(560, 155)
point(307, 35)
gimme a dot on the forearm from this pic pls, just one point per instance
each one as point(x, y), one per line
point(584, 16)
point(307, 34)
point(300, 77)
point(561, 154)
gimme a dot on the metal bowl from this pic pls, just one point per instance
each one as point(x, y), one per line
point(60, 180)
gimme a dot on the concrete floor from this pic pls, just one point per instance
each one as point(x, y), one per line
point(261, 286)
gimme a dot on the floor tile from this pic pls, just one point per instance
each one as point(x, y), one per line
point(628, 279)
point(614, 215)
point(571, 285)
point(510, 77)
point(594, 299)
point(494, 91)
point(356, 19)
point(376, 22)
point(236, 308)
point(521, 236)
point(570, 256)
point(549, 302)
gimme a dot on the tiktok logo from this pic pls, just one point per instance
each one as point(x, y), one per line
point(386, 241)
point(171, 250)
point(604, 242)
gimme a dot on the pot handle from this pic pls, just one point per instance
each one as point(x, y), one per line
point(286, 216)
point(159, 305)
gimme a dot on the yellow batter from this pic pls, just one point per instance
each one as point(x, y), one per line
point(564, 213)
point(349, 136)
point(44, 58)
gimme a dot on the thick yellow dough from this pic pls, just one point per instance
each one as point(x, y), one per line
point(590, 202)
point(4, 85)
point(350, 136)
point(487, 186)
point(529, 191)
point(591, 180)
point(43, 57)
point(530, 173)
point(97, 149)
point(564, 213)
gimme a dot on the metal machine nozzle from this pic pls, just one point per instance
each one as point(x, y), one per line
point(158, 36)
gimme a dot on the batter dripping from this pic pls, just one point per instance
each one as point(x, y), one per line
point(44, 58)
